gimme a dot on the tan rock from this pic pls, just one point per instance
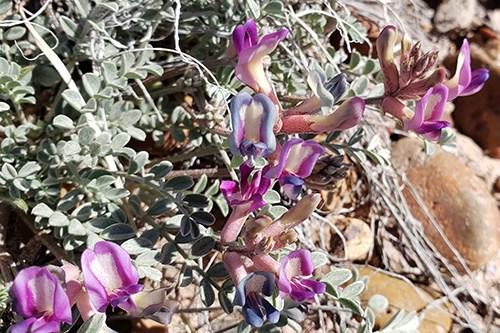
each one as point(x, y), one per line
point(357, 234)
point(402, 295)
point(458, 200)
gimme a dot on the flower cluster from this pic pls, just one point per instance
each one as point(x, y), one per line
point(44, 295)
point(416, 80)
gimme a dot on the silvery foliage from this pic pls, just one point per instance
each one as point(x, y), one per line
point(72, 160)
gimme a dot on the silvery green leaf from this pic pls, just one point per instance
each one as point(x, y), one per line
point(69, 26)
point(86, 135)
point(58, 219)
point(148, 258)
point(76, 228)
point(202, 246)
point(150, 273)
point(119, 141)
point(203, 218)
point(127, 61)
point(152, 235)
point(225, 302)
point(352, 304)
point(274, 7)
point(14, 33)
point(218, 271)
point(355, 60)
point(96, 323)
point(337, 276)
point(353, 290)
point(118, 231)
point(136, 74)
point(278, 211)
point(137, 133)
point(319, 259)
point(8, 172)
point(109, 5)
point(105, 181)
point(42, 210)
point(29, 169)
point(161, 169)
point(160, 207)
point(213, 189)
point(371, 66)
point(186, 275)
point(4, 107)
point(137, 246)
point(378, 303)
point(138, 162)
point(62, 121)
point(179, 183)
point(222, 204)
point(201, 184)
point(70, 199)
point(185, 226)
point(272, 197)
point(109, 71)
point(114, 194)
point(91, 83)
point(169, 253)
point(72, 148)
point(74, 99)
point(359, 85)
point(26, 100)
point(105, 93)
point(207, 293)
point(152, 68)
point(196, 200)
point(5, 6)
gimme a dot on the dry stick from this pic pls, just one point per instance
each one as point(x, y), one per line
point(46, 240)
point(197, 173)
point(5, 258)
point(66, 76)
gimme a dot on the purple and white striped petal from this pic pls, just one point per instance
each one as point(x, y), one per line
point(252, 120)
point(109, 276)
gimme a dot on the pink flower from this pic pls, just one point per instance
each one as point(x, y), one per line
point(296, 162)
point(251, 54)
point(466, 82)
point(41, 300)
point(428, 112)
point(110, 277)
point(294, 266)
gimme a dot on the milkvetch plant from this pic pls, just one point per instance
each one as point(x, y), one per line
point(102, 139)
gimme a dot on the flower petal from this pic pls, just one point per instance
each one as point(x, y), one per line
point(245, 36)
point(348, 115)
point(385, 49)
point(462, 76)
point(479, 77)
point(238, 107)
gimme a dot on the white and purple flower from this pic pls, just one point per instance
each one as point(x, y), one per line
point(250, 294)
point(466, 82)
point(428, 113)
point(294, 267)
point(296, 162)
point(251, 54)
point(110, 277)
point(252, 119)
point(39, 297)
point(244, 197)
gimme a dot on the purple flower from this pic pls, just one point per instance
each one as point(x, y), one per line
point(110, 277)
point(245, 198)
point(428, 112)
point(296, 162)
point(251, 54)
point(465, 82)
point(41, 300)
point(252, 120)
point(296, 264)
point(249, 296)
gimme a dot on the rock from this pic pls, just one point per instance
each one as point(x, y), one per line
point(478, 116)
point(457, 14)
point(457, 199)
point(402, 295)
point(485, 167)
point(358, 238)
